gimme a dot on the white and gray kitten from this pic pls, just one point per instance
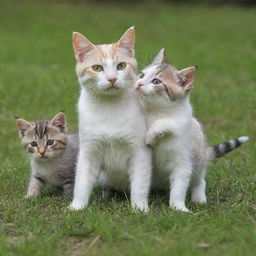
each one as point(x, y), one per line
point(53, 154)
point(180, 151)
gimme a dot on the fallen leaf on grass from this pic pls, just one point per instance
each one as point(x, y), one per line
point(203, 246)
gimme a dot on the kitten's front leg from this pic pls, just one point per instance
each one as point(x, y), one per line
point(86, 176)
point(68, 188)
point(155, 133)
point(140, 178)
point(159, 129)
point(35, 187)
point(151, 136)
point(179, 182)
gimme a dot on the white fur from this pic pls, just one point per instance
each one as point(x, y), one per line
point(179, 150)
point(112, 131)
point(173, 153)
point(243, 139)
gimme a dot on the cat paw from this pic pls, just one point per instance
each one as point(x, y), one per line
point(68, 194)
point(31, 195)
point(142, 207)
point(179, 207)
point(153, 136)
point(75, 206)
point(149, 141)
point(198, 198)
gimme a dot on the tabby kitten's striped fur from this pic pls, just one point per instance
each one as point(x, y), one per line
point(53, 154)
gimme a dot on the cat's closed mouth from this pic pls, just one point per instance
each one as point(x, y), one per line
point(112, 87)
point(42, 157)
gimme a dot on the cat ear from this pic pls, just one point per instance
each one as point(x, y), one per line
point(187, 78)
point(127, 41)
point(23, 126)
point(160, 58)
point(81, 46)
point(59, 121)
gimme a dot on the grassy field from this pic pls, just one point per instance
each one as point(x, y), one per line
point(37, 79)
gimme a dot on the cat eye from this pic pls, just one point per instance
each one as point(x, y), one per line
point(121, 66)
point(49, 142)
point(97, 68)
point(141, 75)
point(34, 144)
point(156, 81)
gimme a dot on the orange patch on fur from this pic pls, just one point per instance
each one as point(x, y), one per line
point(114, 49)
point(132, 65)
point(101, 52)
point(169, 78)
point(91, 73)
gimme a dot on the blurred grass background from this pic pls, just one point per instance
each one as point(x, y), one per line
point(37, 79)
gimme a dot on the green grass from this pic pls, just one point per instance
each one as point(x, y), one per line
point(37, 79)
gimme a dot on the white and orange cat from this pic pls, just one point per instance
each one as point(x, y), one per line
point(112, 126)
point(180, 151)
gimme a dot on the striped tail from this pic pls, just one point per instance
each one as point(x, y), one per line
point(222, 149)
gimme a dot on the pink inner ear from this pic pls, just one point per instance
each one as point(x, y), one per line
point(82, 52)
point(59, 121)
point(185, 84)
point(22, 132)
point(81, 46)
point(182, 82)
point(127, 41)
point(23, 126)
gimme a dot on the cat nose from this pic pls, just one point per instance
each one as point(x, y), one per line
point(112, 80)
point(41, 151)
point(139, 85)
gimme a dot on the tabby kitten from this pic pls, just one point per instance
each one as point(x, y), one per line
point(112, 126)
point(53, 154)
point(180, 151)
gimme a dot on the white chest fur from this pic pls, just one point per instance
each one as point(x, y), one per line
point(112, 146)
point(178, 144)
point(112, 131)
point(118, 118)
